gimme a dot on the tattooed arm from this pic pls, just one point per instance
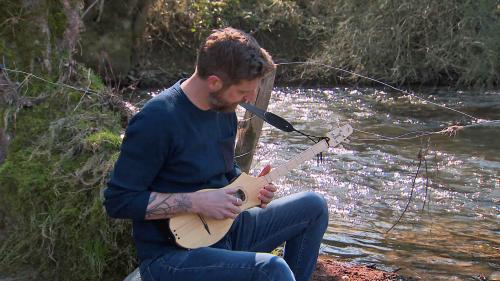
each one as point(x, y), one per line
point(166, 205)
point(217, 204)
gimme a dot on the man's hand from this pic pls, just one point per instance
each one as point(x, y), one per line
point(266, 193)
point(217, 204)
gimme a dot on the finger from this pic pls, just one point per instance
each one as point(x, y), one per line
point(263, 205)
point(265, 200)
point(237, 201)
point(234, 210)
point(265, 171)
point(231, 190)
point(271, 187)
point(266, 193)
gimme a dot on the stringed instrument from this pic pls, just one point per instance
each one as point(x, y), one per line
point(193, 231)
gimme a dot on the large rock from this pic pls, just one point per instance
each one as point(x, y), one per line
point(112, 34)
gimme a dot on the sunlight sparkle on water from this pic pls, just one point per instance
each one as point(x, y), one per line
point(367, 183)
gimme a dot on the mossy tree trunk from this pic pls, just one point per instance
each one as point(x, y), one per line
point(36, 37)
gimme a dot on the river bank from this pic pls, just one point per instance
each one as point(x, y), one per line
point(329, 269)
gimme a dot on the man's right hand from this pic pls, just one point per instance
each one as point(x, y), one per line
point(217, 204)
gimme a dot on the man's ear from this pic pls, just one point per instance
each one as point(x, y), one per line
point(214, 83)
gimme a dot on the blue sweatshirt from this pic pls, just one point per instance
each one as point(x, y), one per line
point(170, 146)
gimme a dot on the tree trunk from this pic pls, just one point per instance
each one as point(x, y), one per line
point(250, 128)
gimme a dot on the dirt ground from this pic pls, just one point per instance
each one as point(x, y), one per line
point(328, 269)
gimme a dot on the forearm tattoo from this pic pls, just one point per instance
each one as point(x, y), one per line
point(165, 205)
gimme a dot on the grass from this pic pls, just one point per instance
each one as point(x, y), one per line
point(401, 42)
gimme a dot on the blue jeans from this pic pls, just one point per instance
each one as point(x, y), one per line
point(243, 254)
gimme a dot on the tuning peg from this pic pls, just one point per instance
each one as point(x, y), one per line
point(319, 158)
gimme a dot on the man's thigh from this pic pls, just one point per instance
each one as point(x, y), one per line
point(262, 230)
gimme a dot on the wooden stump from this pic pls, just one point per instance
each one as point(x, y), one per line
point(250, 128)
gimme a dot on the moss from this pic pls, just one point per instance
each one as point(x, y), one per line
point(30, 33)
point(51, 183)
point(56, 20)
point(53, 203)
point(59, 159)
point(4, 50)
point(90, 79)
point(103, 140)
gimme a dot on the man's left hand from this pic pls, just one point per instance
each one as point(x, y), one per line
point(266, 193)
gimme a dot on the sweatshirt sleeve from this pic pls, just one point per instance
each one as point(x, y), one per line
point(142, 154)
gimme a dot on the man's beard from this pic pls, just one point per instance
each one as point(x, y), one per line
point(219, 104)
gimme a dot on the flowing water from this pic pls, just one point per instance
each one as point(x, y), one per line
point(451, 228)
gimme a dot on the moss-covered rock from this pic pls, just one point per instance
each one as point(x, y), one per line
point(30, 32)
point(113, 34)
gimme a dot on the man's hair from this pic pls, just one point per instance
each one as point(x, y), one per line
point(233, 56)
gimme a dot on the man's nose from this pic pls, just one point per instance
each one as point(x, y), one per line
point(250, 98)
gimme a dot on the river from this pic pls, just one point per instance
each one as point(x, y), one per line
point(451, 228)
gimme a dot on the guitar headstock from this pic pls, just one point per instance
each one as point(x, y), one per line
point(339, 135)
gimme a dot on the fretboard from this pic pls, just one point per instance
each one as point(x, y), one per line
point(296, 161)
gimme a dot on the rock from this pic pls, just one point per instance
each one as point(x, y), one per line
point(134, 276)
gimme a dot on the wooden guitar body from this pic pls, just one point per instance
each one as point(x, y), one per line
point(190, 231)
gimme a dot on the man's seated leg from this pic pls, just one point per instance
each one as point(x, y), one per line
point(209, 263)
point(299, 219)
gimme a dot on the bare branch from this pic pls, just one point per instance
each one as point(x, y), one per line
point(411, 191)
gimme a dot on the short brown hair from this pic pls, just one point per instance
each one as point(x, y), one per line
point(233, 55)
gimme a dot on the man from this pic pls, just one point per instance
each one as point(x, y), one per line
point(183, 141)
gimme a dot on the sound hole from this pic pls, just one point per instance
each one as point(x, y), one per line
point(240, 194)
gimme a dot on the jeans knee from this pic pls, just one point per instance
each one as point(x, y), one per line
point(274, 268)
point(317, 203)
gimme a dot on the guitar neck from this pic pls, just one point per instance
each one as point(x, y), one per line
point(296, 161)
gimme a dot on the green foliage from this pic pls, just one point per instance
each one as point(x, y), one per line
point(403, 42)
point(30, 32)
point(431, 42)
point(103, 140)
point(56, 20)
point(51, 185)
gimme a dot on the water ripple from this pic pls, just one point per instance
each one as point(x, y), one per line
point(451, 227)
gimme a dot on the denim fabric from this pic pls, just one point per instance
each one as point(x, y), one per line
point(300, 220)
